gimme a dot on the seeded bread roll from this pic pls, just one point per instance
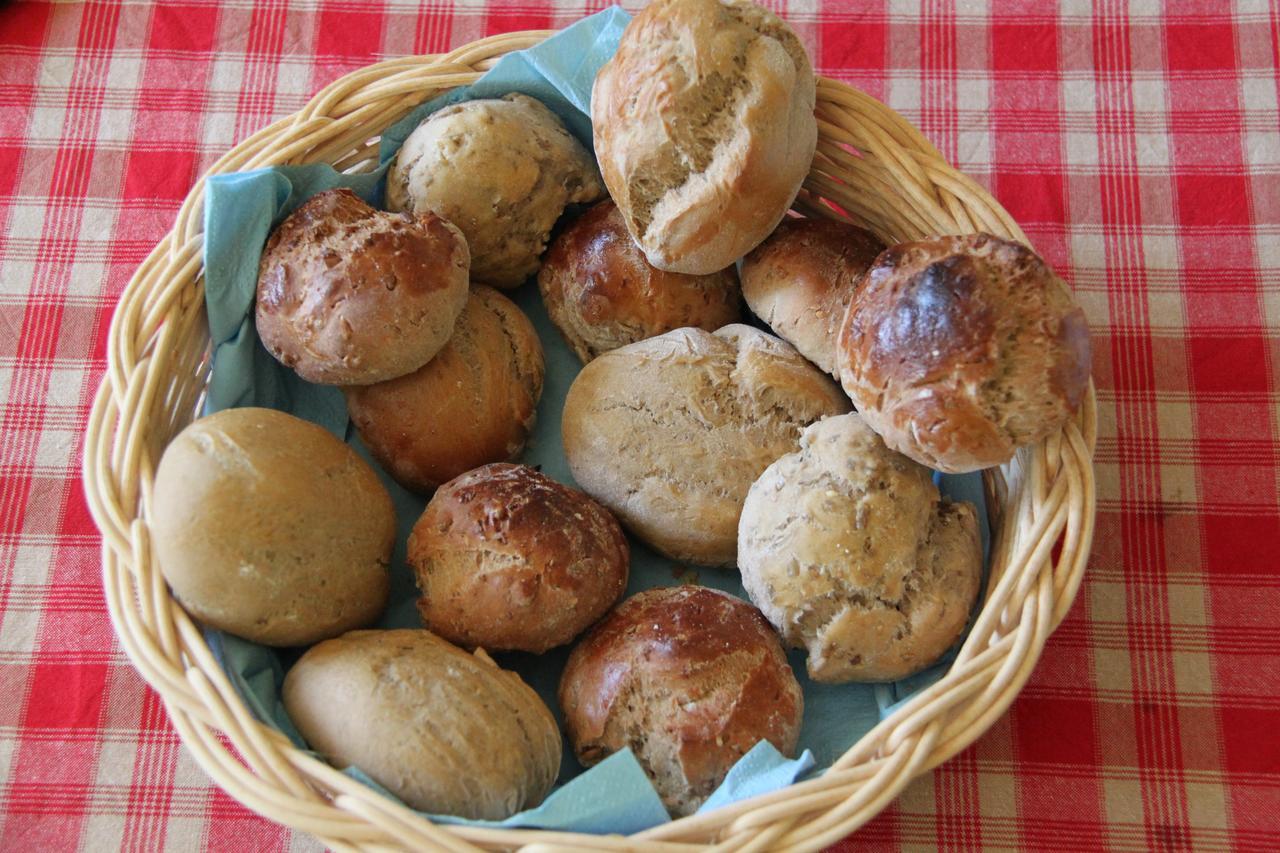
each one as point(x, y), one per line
point(602, 294)
point(959, 350)
point(704, 128)
point(349, 295)
point(669, 433)
point(489, 376)
point(501, 170)
point(268, 527)
point(690, 679)
point(509, 559)
point(851, 553)
point(445, 731)
point(800, 280)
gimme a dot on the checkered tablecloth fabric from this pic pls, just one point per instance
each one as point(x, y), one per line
point(1139, 145)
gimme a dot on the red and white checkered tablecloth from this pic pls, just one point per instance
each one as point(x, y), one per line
point(1138, 144)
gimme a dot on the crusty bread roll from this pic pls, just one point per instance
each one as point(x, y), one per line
point(602, 294)
point(349, 295)
point(851, 553)
point(270, 528)
point(670, 432)
point(704, 128)
point(474, 403)
point(959, 350)
point(799, 281)
point(501, 170)
point(509, 559)
point(445, 731)
point(690, 679)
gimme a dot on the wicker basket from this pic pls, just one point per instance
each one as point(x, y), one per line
point(872, 164)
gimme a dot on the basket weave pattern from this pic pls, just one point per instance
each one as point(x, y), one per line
point(872, 164)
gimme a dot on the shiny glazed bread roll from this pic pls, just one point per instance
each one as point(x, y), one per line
point(690, 679)
point(509, 559)
point(602, 294)
point(349, 295)
point(474, 403)
point(959, 350)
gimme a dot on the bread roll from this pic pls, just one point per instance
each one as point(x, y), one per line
point(445, 731)
point(959, 350)
point(268, 527)
point(851, 553)
point(501, 170)
point(509, 559)
point(704, 128)
point(349, 295)
point(474, 403)
point(602, 294)
point(669, 433)
point(690, 679)
point(799, 281)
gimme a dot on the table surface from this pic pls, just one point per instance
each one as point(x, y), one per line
point(1139, 146)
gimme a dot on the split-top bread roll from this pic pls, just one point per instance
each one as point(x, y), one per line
point(959, 350)
point(851, 553)
point(689, 678)
point(669, 433)
point(472, 404)
point(270, 528)
point(801, 279)
point(704, 128)
point(602, 294)
point(502, 170)
point(349, 295)
point(445, 731)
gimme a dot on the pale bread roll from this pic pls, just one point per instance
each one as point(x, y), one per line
point(443, 730)
point(669, 433)
point(502, 170)
point(704, 129)
point(851, 553)
point(268, 527)
point(800, 281)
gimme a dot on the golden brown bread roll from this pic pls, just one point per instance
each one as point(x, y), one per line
point(445, 731)
point(851, 553)
point(349, 295)
point(669, 433)
point(690, 679)
point(474, 403)
point(800, 280)
point(268, 527)
point(509, 559)
point(704, 128)
point(602, 294)
point(959, 350)
point(502, 170)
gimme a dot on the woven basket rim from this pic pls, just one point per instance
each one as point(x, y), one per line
point(875, 166)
